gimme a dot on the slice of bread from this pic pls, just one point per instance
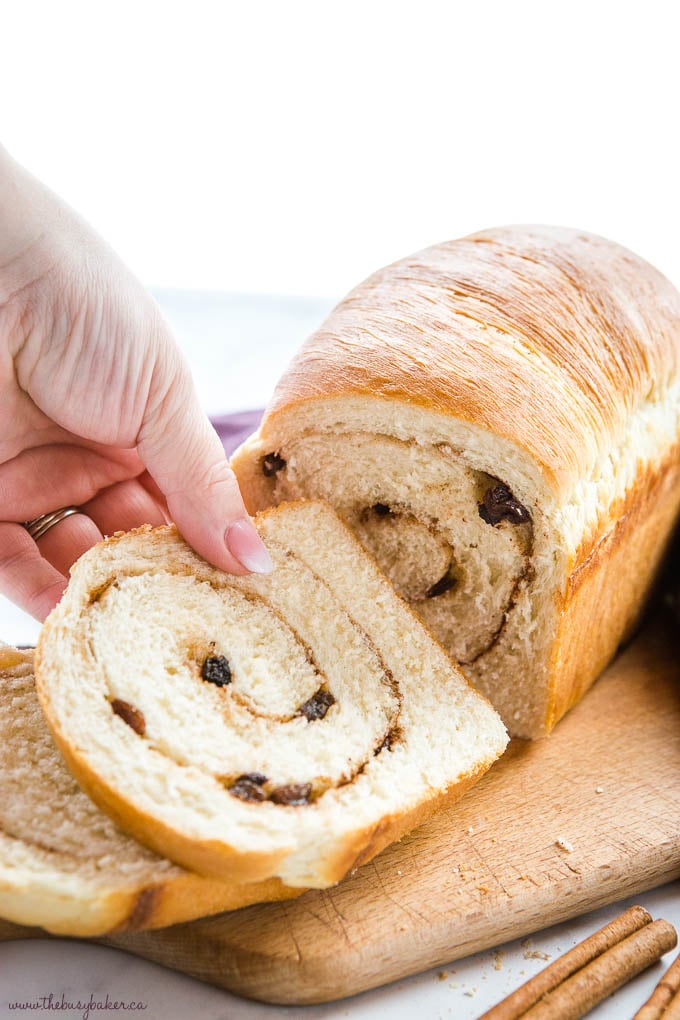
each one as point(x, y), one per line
point(64, 865)
point(290, 724)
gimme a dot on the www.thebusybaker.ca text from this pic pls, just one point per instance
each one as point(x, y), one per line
point(85, 1007)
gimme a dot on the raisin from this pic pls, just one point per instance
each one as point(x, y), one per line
point(216, 670)
point(293, 795)
point(254, 777)
point(444, 583)
point(272, 464)
point(381, 509)
point(130, 715)
point(499, 504)
point(249, 787)
point(317, 706)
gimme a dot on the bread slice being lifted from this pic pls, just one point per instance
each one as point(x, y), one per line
point(64, 866)
point(284, 726)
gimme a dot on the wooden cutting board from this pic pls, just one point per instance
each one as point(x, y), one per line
point(607, 782)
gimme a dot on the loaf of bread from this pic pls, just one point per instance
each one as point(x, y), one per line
point(286, 725)
point(497, 419)
point(64, 865)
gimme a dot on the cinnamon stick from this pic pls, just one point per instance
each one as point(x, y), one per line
point(580, 993)
point(531, 991)
point(662, 998)
point(672, 1010)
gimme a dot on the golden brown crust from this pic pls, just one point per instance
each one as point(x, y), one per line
point(593, 330)
point(11, 657)
point(191, 896)
point(610, 580)
point(395, 827)
point(183, 897)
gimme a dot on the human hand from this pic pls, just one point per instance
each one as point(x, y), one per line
point(97, 407)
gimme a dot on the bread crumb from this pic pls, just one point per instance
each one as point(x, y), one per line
point(599, 789)
point(536, 954)
point(498, 960)
point(442, 975)
point(565, 845)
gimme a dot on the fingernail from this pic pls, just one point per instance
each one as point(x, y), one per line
point(245, 545)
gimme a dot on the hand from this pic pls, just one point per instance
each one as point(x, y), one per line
point(97, 407)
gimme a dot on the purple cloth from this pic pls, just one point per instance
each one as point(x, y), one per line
point(234, 428)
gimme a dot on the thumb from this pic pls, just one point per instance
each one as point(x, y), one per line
point(186, 459)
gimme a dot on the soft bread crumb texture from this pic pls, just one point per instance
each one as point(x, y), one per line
point(416, 509)
point(404, 732)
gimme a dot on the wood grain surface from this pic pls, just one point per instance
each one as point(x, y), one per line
point(486, 871)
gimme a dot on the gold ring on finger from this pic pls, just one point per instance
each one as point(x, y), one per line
point(39, 526)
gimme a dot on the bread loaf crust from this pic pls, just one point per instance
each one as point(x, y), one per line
point(594, 331)
point(610, 583)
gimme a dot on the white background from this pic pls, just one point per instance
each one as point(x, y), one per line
point(292, 147)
